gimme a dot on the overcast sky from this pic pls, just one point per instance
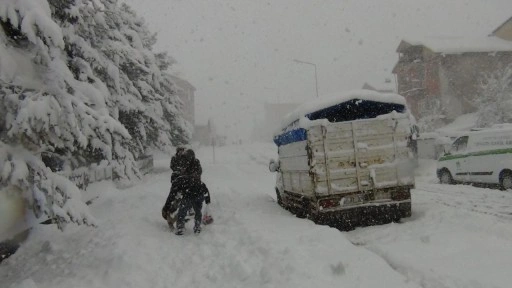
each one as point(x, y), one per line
point(239, 53)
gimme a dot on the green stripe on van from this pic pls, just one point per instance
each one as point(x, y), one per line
point(480, 153)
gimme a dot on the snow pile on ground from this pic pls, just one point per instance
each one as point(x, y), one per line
point(457, 237)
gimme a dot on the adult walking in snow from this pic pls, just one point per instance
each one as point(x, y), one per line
point(190, 187)
point(171, 204)
point(177, 162)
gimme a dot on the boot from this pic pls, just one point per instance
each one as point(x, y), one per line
point(179, 229)
point(197, 227)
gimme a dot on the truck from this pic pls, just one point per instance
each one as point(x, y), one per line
point(347, 160)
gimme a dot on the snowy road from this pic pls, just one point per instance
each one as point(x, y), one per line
point(458, 236)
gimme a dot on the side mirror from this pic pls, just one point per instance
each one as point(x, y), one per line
point(273, 165)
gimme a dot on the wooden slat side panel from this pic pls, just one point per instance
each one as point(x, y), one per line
point(298, 182)
point(293, 149)
point(382, 155)
point(294, 164)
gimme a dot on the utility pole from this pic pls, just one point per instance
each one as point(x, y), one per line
point(211, 134)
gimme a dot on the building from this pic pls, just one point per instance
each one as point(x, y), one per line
point(504, 31)
point(185, 92)
point(444, 73)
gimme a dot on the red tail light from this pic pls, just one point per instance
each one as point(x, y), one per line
point(329, 203)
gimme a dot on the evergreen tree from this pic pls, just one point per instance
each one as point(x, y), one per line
point(45, 108)
point(78, 78)
point(124, 60)
point(495, 103)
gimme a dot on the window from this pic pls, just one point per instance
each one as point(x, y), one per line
point(460, 145)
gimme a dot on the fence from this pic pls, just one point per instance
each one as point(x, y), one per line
point(145, 164)
point(83, 176)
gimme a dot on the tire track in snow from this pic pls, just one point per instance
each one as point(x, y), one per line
point(478, 200)
point(411, 274)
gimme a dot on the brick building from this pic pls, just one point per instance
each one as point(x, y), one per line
point(186, 93)
point(445, 73)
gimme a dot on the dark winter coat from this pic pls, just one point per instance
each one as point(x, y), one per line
point(185, 187)
point(206, 193)
point(193, 169)
point(178, 164)
point(186, 182)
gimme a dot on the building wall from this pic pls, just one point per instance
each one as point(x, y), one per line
point(453, 80)
point(185, 92)
point(505, 31)
point(464, 74)
point(417, 78)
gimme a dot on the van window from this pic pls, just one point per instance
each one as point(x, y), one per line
point(460, 145)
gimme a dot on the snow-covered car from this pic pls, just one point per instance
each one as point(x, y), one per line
point(346, 161)
point(483, 156)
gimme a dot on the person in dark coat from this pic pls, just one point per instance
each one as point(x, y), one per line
point(190, 187)
point(171, 204)
point(177, 163)
point(206, 193)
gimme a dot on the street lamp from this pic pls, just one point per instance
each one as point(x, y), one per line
point(316, 77)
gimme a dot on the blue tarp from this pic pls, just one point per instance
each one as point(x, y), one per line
point(354, 109)
point(290, 137)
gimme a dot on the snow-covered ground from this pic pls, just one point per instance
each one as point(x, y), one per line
point(458, 236)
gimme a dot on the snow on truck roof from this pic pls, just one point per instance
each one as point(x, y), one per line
point(329, 100)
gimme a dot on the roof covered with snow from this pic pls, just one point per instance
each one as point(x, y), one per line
point(455, 45)
point(329, 100)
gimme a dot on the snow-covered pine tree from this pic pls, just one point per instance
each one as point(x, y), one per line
point(162, 108)
point(114, 45)
point(78, 78)
point(44, 108)
point(85, 85)
point(494, 106)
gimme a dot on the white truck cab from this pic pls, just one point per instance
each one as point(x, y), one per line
point(483, 156)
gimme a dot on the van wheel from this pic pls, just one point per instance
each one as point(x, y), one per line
point(506, 180)
point(445, 177)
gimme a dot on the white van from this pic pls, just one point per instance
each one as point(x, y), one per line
point(483, 156)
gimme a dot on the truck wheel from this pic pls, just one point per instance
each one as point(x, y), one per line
point(506, 180)
point(279, 199)
point(445, 177)
point(303, 210)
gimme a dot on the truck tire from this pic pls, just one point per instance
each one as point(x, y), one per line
point(279, 199)
point(445, 177)
point(302, 211)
